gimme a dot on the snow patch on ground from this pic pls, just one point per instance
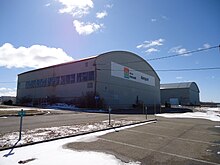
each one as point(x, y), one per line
point(215, 109)
point(54, 153)
point(198, 115)
point(19, 109)
point(212, 114)
point(62, 106)
point(40, 134)
point(4, 117)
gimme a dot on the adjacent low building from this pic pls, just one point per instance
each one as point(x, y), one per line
point(8, 100)
point(119, 78)
point(185, 93)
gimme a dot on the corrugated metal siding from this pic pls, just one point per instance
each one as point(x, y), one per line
point(122, 93)
point(186, 92)
point(175, 85)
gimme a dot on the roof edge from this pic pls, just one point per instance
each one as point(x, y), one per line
point(70, 62)
point(178, 85)
point(134, 55)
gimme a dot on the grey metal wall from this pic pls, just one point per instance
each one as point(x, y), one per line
point(57, 81)
point(194, 98)
point(122, 93)
point(182, 94)
point(116, 92)
point(188, 95)
point(194, 94)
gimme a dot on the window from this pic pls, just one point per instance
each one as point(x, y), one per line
point(91, 75)
point(61, 80)
point(85, 76)
point(67, 79)
point(72, 78)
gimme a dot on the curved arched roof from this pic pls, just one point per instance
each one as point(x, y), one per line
point(179, 85)
point(127, 62)
point(95, 57)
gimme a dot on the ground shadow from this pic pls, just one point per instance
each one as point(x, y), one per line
point(11, 151)
point(175, 110)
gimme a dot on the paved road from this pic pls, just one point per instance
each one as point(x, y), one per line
point(169, 141)
point(61, 118)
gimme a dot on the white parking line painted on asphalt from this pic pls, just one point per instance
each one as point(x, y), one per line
point(173, 137)
point(161, 152)
point(43, 153)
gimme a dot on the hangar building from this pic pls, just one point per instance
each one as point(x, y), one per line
point(185, 93)
point(120, 78)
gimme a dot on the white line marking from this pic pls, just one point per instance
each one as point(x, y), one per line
point(173, 137)
point(161, 152)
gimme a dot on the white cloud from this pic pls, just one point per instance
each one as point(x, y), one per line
point(36, 56)
point(151, 46)
point(178, 50)
point(77, 8)
point(47, 5)
point(150, 50)
point(160, 19)
point(101, 14)
point(164, 17)
point(109, 6)
point(179, 77)
point(148, 44)
point(7, 92)
point(181, 50)
point(206, 45)
point(86, 28)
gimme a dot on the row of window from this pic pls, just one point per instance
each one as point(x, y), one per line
point(61, 80)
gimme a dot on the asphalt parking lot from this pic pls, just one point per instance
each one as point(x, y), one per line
point(168, 141)
point(59, 118)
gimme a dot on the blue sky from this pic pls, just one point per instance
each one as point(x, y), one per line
point(39, 33)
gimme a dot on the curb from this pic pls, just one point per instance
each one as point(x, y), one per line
point(15, 115)
point(27, 114)
point(69, 136)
